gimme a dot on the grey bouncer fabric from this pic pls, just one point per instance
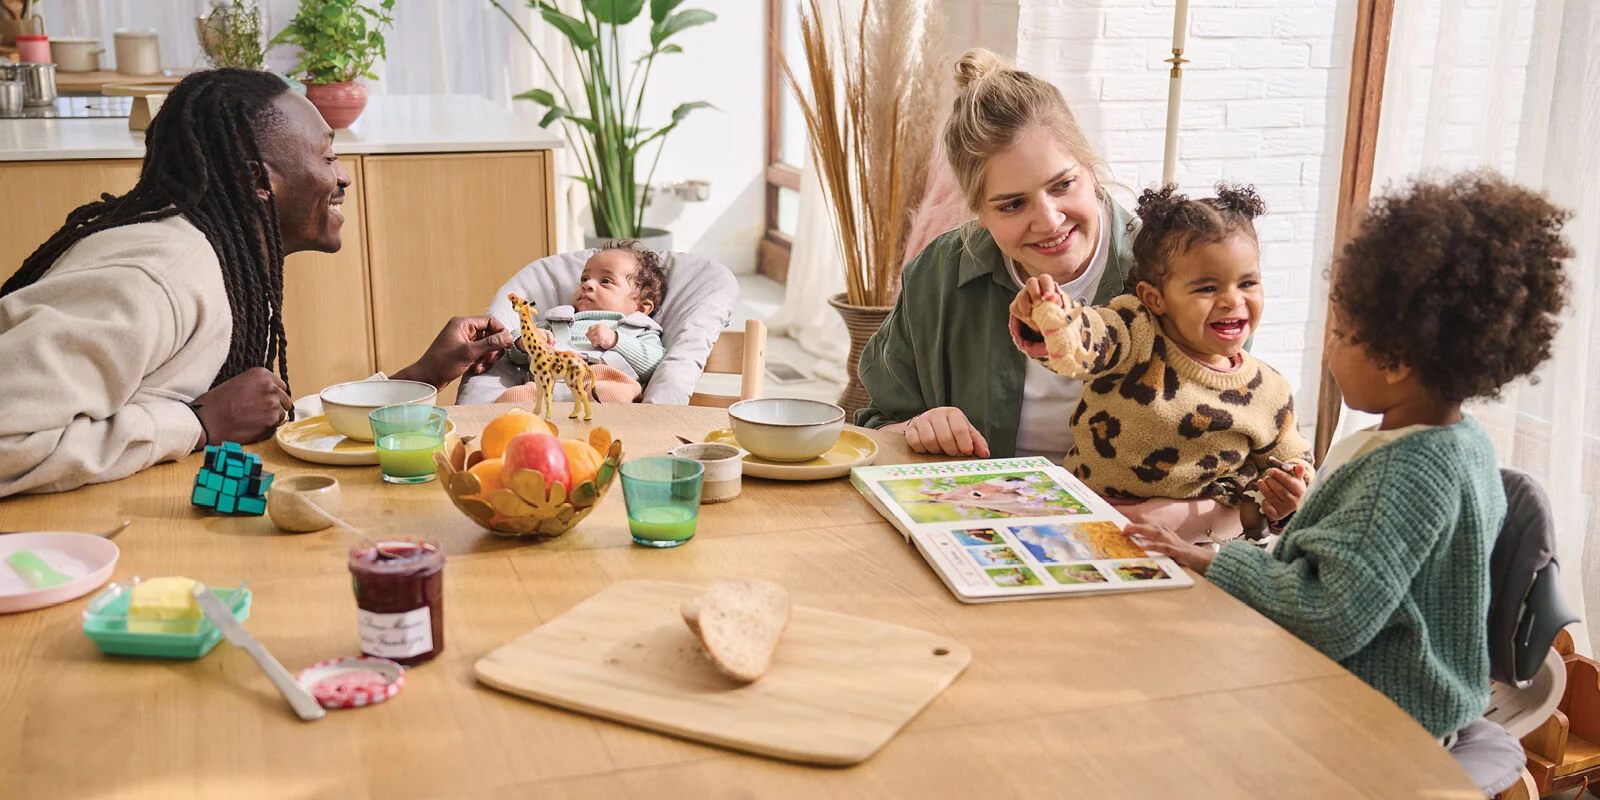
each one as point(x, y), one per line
point(699, 303)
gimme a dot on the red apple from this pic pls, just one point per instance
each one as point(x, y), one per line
point(540, 451)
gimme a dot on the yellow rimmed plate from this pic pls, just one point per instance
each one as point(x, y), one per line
point(313, 439)
point(852, 450)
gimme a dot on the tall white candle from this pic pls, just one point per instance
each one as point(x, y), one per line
point(1180, 24)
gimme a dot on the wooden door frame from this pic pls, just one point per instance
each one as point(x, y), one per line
point(772, 259)
point(1369, 62)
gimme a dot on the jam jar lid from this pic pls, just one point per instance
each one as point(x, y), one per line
point(353, 681)
point(416, 556)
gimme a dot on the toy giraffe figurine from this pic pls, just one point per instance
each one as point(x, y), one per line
point(547, 365)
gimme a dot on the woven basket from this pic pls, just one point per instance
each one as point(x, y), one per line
point(526, 507)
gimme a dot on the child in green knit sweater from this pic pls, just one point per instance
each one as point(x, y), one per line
point(1449, 291)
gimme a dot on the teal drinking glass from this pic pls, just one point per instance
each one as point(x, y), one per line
point(406, 437)
point(663, 498)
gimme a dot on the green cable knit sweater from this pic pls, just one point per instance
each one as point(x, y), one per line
point(1385, 569)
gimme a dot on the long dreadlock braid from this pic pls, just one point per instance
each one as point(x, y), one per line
point(198, 157)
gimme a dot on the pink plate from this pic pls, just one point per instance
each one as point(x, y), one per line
point(85, 558)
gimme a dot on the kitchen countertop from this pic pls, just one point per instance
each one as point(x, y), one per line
point(390, 124)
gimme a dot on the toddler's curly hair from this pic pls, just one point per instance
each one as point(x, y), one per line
point(1170, 223)
point(1460, 279)
point(650, 279)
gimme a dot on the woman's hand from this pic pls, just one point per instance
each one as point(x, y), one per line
point(1164, 542)
point(1282, 490)
point(466, 346)
point(245, 408)
point(944, 430)
point(1038, 289)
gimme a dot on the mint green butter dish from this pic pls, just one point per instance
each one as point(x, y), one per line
point(105, 622)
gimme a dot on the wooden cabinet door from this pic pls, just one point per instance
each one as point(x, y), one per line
point(444, 232)
point(37, 196)
point(327, 313)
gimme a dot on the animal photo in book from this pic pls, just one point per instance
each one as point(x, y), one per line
point(1013, 576)
point(1089, 541)
point(1076, 573)
point(979, 536)
point(1142, 570)
point(952, 498)
point(995, 556)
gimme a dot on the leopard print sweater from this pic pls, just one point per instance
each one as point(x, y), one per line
point(1154, 422)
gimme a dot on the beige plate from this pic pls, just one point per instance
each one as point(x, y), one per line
point(852, 450)
point(313, 439)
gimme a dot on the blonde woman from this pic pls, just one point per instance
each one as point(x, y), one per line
point(943, 370)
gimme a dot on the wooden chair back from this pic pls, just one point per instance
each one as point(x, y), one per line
point(743, 354)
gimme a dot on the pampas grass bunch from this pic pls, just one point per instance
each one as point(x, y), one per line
point(878, 92)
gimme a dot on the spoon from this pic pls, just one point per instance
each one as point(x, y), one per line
point(115, 529)
point(383, 555)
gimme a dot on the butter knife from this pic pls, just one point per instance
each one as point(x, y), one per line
point(299, 699)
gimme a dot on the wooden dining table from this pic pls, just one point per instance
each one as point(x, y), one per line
point(1174, 694)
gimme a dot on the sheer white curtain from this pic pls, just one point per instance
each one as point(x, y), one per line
point(1510, 84)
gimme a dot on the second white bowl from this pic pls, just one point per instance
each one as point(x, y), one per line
point(786, 428)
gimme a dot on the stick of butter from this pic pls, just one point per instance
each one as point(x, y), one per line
point(164, 605)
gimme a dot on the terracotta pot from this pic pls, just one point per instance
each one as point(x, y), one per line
point(862, 322)
point(339, 103)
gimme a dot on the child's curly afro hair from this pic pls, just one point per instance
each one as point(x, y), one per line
point(1459, 279)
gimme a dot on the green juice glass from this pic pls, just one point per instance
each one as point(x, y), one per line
point(663, 498)
point(407, 437)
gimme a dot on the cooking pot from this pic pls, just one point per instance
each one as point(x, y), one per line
point(76, 55)
point(38, 84)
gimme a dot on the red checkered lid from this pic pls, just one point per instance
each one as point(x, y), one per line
point(353, 681)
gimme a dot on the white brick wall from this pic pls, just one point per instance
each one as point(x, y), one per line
point(1263, 103)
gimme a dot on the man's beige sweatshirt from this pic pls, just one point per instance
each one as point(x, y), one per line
point(102, 355)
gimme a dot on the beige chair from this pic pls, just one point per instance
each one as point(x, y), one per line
point(742, 354)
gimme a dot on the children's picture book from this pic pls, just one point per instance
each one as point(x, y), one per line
point(1012, 529)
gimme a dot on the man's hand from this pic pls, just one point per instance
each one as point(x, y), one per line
point(466, 346)
point(943, 430)
point(245, 408)
point(602, 336)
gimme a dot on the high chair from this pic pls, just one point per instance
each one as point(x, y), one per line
point(742, 354)
point(1526, 614)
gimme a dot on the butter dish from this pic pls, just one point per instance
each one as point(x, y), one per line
point(106, 624)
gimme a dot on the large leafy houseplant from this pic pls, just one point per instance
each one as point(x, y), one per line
point(338, 39)
point(607, 132)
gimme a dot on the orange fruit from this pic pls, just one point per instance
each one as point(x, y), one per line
point(503, 428)
point(583, 460)
point(487, 472)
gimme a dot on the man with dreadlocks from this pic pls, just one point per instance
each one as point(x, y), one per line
point(148, 325)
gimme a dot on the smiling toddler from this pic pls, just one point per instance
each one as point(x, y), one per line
point(1174, 408)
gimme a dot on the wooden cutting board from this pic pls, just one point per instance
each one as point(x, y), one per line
point(838, 689)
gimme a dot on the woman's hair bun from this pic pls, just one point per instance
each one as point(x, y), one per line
point(977, 64)
point(1241, 200)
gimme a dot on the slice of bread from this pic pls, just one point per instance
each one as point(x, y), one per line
point(739, 622)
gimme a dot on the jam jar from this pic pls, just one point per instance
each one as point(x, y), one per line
point(399, 599)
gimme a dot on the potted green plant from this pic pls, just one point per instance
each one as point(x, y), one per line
point(607, 132)
point(232, 35)
point(339, 40)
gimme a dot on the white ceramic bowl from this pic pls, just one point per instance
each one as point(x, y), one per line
point(786, 428)
point(348, 404)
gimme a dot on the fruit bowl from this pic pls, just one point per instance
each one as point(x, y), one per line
point(526, 506)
